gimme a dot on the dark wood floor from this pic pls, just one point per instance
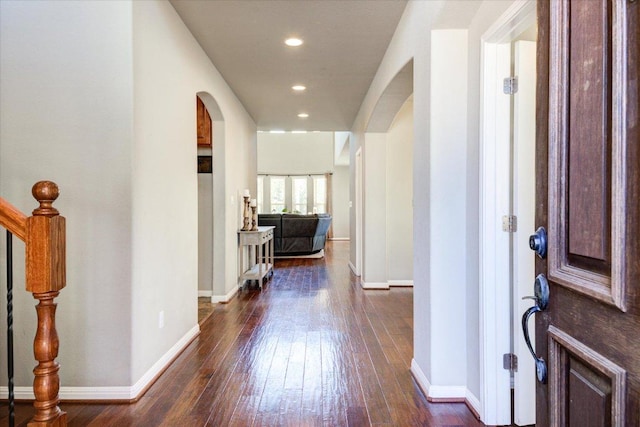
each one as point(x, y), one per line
point(311, 349)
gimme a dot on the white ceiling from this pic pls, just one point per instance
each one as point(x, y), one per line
point(344, 42)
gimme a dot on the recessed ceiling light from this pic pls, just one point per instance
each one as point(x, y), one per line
point(303, 115)
point(276, 131)
point(293, 42)
point(298, 131)
point(298, 88)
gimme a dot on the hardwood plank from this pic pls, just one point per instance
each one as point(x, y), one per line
point(311, 349)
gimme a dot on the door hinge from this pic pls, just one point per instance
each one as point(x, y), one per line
point(510, 223)
point(510, 85)
point(510, 362)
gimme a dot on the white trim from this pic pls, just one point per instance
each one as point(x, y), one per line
point(225, 298)
point(359, 215)
point(447, 392)
point(340, 239)
point(495, 382)
point(440, 392)
point(353, 269)
point(374, 285)
point(202, 294)
point(164, 361)
point(114, 393)
point(420, 377)
point(473, 401)
point(392, 283)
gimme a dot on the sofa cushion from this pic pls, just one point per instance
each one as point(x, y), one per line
point(299, 225)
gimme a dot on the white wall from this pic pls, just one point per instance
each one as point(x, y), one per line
point(307, 153)
point(295, 153)
point(374, 153)
point(399, 187)
point(100, 97)
point(205, 229)
point(66, 115)
point(340, 221)
point(445, 177)
point(412, 40)
point(169, 69)
point(448, 210)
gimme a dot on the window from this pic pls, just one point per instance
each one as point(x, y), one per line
point(319, 194)
point(296, 193)
point(299, 194)
point(277, 194)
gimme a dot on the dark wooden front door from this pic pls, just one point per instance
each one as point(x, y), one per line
point(588, 199)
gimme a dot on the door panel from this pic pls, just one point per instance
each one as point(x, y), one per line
point(587, 147)
point(588, 192)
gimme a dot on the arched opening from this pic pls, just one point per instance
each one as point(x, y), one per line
point(385, 217)
point(210, 126)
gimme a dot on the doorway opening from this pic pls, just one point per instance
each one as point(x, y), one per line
point(210, 141)
point(507, 214)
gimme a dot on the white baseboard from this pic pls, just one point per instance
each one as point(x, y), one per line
point(340, 239)
point(113, 393)
point(353, 269)
point(204, 293)
point(438, 392)
point(420, 377)
point(473, 402)
point(225, 298)
point(375, 285)
point(392, 283)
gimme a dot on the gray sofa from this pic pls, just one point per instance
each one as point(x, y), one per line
point(297, 234)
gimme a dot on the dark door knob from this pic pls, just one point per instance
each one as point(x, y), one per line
point(538, 242)
point(541, 291)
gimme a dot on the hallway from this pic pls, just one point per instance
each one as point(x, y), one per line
point(311, 349)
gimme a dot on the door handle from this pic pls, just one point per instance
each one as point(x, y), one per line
point(541, 297)
point(538, 242)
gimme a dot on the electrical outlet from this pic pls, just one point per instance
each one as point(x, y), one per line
point(161, 320)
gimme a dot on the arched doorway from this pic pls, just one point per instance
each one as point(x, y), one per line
point(210, 126)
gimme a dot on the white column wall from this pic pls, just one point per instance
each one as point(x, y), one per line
point(445, 180)
point(412, 40)
point(399, 203)
point(340, 193)
point(448, 210)
point(374, 154)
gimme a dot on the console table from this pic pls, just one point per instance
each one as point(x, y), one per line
point(256, 262)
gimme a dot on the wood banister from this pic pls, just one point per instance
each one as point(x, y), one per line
point(13, 220)
point(44, 237)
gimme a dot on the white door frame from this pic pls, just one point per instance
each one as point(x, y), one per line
point(495, 317)
point(358, 213)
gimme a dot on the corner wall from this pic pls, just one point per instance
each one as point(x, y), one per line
point(100, 98)
point(170, 68)
point(66, 115)
point(445, 178)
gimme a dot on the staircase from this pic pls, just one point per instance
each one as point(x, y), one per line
point(44, 236)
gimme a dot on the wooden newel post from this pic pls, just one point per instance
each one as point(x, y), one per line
point(45, 277)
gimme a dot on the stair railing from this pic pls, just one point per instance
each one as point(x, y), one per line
point(44, 236)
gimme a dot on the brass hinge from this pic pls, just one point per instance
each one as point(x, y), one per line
point(510, 362)
point(510, 223)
